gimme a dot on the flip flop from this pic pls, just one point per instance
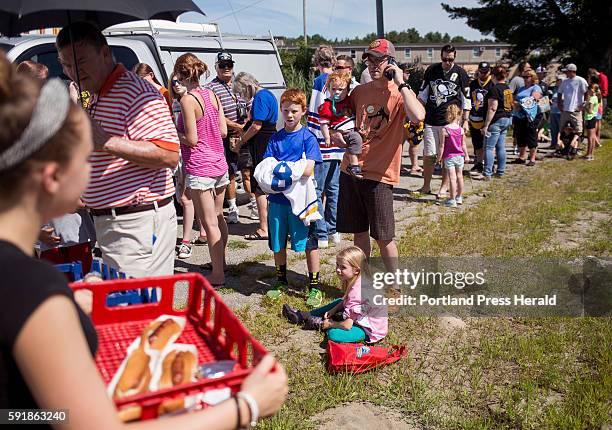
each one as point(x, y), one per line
point(199, 241)
point(208, 266)
point(255, 236)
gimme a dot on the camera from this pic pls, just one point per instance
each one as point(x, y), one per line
point(390, 74)
point(241, 111)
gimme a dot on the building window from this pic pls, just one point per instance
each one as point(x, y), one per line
point(498, 52)
point(476, 52)
point(408, 53)
point(353, 53)
point(429, 52)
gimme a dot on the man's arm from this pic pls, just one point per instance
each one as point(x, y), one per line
point(415, 112)
point(142, 152)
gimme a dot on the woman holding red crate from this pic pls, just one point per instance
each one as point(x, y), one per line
point(47, 342)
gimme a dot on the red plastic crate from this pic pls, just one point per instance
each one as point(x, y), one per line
point(211, 326)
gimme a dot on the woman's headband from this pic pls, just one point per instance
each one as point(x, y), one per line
point(48, 117)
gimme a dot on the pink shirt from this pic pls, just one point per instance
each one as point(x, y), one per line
point(207, 157)
point(453, 143)
point(373, 319)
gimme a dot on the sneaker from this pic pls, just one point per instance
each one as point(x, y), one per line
point(530, 163)
point(355, 171)
point(232, 216)
point(323, 244)
point(315, 298)
point(278, 290)
point(515, 151)
point(518, 161)
point(313, 323)
point(293, 315)
point(478, 167)
point(450, 203)
point(254, 214)
point(459, 200)
point(184, 251)
point(335, 238)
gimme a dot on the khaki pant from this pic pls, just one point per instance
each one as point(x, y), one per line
point(575, 118)
point(139, 244)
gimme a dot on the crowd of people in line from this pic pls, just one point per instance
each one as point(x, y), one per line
point(107, 173)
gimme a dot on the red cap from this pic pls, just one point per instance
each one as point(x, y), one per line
point(380, 48)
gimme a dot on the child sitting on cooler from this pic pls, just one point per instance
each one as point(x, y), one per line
point(336, 113)
point(361, 320)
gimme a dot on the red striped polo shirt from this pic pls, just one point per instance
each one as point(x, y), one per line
point(129, 107)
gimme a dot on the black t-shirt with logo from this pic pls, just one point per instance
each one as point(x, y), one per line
point(478, 92)
point(503, 94)
point(444, 89)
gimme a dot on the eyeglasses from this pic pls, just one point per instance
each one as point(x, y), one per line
point(226, 65)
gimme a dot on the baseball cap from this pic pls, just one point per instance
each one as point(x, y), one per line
point(571, 67)
point(484, 66)
point(379, 48)
point(224, 57)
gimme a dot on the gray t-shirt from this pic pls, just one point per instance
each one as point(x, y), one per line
point(516, 83)
point(72, 229)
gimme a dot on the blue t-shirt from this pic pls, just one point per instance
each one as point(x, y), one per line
point(285, 146)
point(264, 107)
point(523, 92)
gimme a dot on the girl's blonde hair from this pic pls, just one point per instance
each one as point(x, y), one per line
point(355, 258)
point(452, 113)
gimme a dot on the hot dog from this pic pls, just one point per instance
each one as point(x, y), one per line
point(136, 375)
point(158, 334)
point(178, 368)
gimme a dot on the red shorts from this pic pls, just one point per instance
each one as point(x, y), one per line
point(70, 254)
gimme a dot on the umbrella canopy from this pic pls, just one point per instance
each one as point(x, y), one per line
point(19, 16)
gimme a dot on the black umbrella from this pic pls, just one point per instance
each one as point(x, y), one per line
point(19, 16)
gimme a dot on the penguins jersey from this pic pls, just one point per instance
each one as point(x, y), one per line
point(478, 92)
point(440, 89)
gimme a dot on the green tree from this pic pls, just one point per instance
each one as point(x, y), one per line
point(570, 30)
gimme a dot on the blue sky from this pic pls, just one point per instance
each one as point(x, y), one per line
point(331, 18)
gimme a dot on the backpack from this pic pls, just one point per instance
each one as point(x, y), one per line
point(359, 358)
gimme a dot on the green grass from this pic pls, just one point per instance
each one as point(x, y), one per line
point(237, 244)
point(499, 373)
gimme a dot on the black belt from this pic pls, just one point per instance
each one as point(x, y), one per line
point(130, 209)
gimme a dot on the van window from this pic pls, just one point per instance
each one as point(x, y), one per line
point(47, 54)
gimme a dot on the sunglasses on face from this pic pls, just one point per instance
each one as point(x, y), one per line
point(226, 66)
point(448, 60)
point(342, 67)
point(176, 82)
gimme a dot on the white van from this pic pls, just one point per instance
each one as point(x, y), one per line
point(159, 44)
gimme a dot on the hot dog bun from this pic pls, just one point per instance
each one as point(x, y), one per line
point(178, 368)
point(136, 375)
point(158, 334)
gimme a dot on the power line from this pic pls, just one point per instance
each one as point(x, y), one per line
point(235, 17)
point(235, 12)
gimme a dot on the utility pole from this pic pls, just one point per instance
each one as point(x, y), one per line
point(380, 23)
point(304, 18)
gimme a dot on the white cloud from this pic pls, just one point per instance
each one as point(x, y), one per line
point(333, 18)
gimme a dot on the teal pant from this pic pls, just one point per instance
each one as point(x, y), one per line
point(355, 334)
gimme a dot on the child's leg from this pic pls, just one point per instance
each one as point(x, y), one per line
point(459, 186)
point(278, 224)
point(319, 312)
point(452, 178)
point(354, 141)
point(355, 334)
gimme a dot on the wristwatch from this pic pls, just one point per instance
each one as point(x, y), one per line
point(404, 85)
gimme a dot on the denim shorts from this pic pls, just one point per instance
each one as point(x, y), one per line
point(456, 161)
point(204, 183)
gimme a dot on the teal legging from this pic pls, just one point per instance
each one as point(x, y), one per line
point(355, 334)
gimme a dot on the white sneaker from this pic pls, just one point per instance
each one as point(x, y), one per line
point(254, 213)
point(184, 251)
point(335, 238)
point(323, 244)
point(232, 217)
point(459, 200)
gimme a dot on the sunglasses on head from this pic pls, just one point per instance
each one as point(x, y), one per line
point(226, 66)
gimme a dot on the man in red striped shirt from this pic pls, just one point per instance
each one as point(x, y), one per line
point(135, 146)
